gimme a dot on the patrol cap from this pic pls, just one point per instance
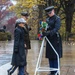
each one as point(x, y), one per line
point(49, 9)
point(24, 13)
point(20, 20)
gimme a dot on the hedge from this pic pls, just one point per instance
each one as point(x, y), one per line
point(4, 36)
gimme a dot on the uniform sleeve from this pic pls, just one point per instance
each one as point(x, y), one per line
point(56, 28)
point(16, 40)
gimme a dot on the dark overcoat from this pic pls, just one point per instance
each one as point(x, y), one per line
point(27, 39)
point(54, 37)
point(19, 56)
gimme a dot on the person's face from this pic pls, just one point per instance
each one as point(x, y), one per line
point(51, 14)
point(21, 24)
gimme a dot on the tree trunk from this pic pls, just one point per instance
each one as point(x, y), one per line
point(68, 20)
point(69, 11)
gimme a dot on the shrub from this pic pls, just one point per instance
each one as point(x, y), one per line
point(9, 36)
point(4, 36)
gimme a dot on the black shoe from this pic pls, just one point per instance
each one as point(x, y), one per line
point(9, 72)
point(51, 74)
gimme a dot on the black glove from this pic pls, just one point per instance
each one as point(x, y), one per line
point(46, 33)
point(16, 50)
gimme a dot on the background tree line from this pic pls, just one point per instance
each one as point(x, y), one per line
point(64, 8)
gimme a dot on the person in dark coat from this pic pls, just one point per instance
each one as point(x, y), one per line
point(19, 56)
point(27, 28)
point(54, 37)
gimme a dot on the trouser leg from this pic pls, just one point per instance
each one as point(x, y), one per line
point(21, 70)
point(53, 64)
point(25, 68)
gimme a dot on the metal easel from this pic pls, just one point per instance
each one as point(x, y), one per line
point(46, 69)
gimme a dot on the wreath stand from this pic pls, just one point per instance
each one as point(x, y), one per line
point(46, 69)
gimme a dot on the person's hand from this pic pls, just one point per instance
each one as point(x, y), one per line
point(46, 33)
point(25, 45)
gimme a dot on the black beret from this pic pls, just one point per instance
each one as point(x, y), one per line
point(24, 13)
point(48, 9)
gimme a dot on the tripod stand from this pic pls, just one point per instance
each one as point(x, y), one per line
point(46, 69)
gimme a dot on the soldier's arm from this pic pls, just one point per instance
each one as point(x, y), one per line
point(56, 28)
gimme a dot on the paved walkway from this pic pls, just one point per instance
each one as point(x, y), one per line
point(67, 62)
